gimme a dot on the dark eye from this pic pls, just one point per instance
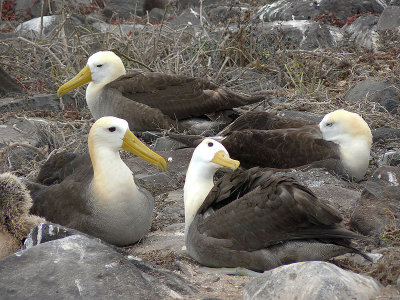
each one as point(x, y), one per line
point(210, 144)
point(99, 66)
point(111, 129)
point(329, 124)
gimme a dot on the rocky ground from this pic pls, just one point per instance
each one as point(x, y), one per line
point(315, 60)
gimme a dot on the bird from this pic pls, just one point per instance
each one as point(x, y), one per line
point(149, 100)
point(254, 219)
point(15, 219)
point(95, 192)
point(341, 142)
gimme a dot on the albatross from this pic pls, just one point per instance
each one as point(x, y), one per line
point(341, 142)
point(149, 100)
point(97, 193)
point(253, 219)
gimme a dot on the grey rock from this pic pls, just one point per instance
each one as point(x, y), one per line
point(157, 14)
point(390, 158)
point(190, 16)
point(302, 34)
point(51, 26)
point(159, 182)
point(223, 14)
point(33, 9)
point(386, 94)
point(166, 143)
point(77, 266)
point(285, 10)
point(7, 84)
point(385, 133)
point(37, 102)
point(150, 136)
point(363, 32)
point(320, 36)
point(46, 232)
point(160, 5)
point(124, 8)
point(395, 2)
point(378, 206)
point(390, 18)
point(311, 280)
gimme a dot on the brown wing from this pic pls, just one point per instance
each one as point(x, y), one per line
point(178, 96)
point(262, 121)
point(263, 210)
point(64, 203)
point(280, 148)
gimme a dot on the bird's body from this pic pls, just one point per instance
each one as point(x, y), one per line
point(340, 143)
point(97, 193)
point(15, 219)
point(149, 100)
point(255, 220)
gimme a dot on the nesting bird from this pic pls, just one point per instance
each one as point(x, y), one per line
point(341, 142)
point(15, 219)
point(149, 100)
point(97, 193)
point(253, 219)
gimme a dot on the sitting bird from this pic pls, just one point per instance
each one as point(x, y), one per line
point(341, 142)
point(149, 100)
point(254, 219)
point(96, 193)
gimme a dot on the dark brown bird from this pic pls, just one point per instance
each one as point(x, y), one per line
point(149, 100)
point(253, 219)
point(341, 142)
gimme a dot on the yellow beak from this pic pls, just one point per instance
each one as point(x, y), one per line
point(132, 144)
point(84, 76)
point(222, 159)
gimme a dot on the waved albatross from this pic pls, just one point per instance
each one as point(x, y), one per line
point(253, 219)
point(149, 100)
point(341, 142)
point(98, 195)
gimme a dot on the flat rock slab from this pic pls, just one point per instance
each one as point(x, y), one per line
point(311, 280)
point(384, 93)
point(38, 102)
point(77, 266)
point(157, 182)
point(378, 209)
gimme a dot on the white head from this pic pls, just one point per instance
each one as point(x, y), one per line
point(102, 67)
point(110, 134)
point(353, 135)
point(341, 125)
point(207, 158)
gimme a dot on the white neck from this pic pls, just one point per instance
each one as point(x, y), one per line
point(198, 183)
point(93, 91)
point(355, 155)
point(113, 182)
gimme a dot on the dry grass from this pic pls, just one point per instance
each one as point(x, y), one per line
point(312, 80)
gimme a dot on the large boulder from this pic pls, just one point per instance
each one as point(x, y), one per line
point(378, 209)
point(80, 266)
point(384, 93)
point(309, 281)
point(284, 10)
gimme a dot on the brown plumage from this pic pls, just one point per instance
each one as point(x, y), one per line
point(256, 220)
point(340, 143)
point(149, 100)
point(96, 193)
point(15, 219)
